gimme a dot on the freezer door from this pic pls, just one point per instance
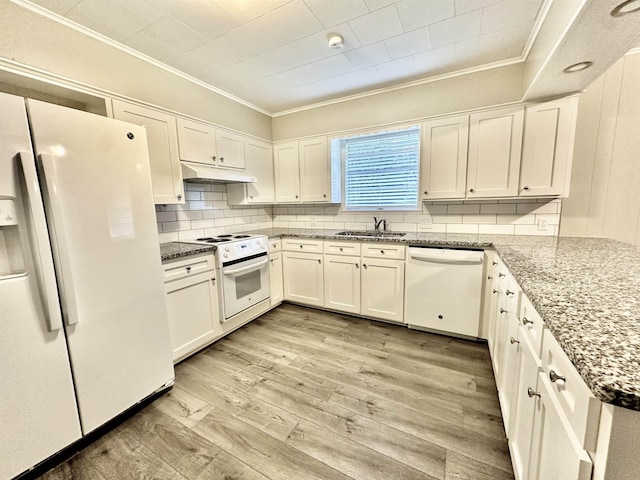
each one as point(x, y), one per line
point(102, 220)
point(38, 412)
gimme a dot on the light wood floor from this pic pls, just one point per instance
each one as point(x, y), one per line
point(305, 394)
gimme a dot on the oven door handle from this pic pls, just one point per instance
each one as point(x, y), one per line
point(255, 266)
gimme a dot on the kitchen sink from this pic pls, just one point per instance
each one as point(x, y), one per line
point(370, 233)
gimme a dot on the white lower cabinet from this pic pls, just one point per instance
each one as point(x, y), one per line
point(303, 278)
point(550, 416)
point(342, 283)
point(275, 278)
point(192, 304)
point(383, 289)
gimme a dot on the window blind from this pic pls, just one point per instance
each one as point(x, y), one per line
point(381, 171)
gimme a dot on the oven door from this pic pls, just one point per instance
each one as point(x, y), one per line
point(244, 284)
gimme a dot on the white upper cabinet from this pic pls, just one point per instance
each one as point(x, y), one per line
point(495, 145)
point(230, 149)
point(287, 172)
point(314, 170)
point(202, 143)
point(259, 163)
point(197, 142)
point(166, 173)
point(547, 150)
point(444, 158)
point(302, 171)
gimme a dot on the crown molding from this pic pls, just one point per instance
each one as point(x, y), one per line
point(130, 51)
point(378, 91)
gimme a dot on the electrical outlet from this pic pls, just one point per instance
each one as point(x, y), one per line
point(426, 224)
point(313, 222)
point(542, 224)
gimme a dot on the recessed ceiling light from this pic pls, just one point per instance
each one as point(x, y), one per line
point(577, 67)
point(336, 42)
point(625, 8)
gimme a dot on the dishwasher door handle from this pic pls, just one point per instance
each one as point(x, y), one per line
point(446, 256)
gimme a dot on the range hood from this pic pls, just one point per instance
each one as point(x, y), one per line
point(194, 172)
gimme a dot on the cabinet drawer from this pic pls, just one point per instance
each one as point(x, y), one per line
point(187, 267)
point(533, 325)
point(275, 245)
point(302, 245)
point(578, 403)
point(382, 250)
point(342, 248)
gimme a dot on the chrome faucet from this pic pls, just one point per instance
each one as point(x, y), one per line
point(377, 223)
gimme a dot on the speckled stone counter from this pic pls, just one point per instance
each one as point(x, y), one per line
point(587, 290)
point(171, 250)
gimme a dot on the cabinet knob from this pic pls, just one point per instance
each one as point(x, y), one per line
point(554, 377)
point(426, 193)
point(324, 195)
point(222, 159)
point(525, 188)
point(382, 252)
point(319, 261)
point(494, 291)
point(471, 190)
point(513, 340)
point(489, 277)
point(356, 265)
point(526, 321)
point(188, 269)
point(495, 264)
point(300, 246)
point(509, 292)
point(501, 275)
point(213, 157)
point(532, 393)
point(213, 280)
point(296, 196)
point(251, 197)
point(364, 265)
point(502, 310)
point(179, 196)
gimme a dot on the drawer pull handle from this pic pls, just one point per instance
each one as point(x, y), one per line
point(526, 321)
point(509, 292)
point(532, 393)
point(502, 310)
point(188, 269)
point(495, 264)
point(513, 340)
point(489, 277)
point(554, 377)
point(501, 275)
point(494, 291)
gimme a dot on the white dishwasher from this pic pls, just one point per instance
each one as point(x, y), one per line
point(443, 290)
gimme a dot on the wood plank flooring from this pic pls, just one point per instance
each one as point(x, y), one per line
point(306, 394)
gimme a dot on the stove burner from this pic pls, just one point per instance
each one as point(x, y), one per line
point(241, 236)
point(210, 240)
point(226, 235)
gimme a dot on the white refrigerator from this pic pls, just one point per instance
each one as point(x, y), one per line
point(83, 325)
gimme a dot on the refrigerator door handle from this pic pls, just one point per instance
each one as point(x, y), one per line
point(43, 248)
point(64, 262)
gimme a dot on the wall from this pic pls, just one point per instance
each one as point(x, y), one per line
point(520, 217)
point(605, 180)
point(498, 86)
point(205, 213)
point(37, 41)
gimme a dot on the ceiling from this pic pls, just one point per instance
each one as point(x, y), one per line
point(274, 54)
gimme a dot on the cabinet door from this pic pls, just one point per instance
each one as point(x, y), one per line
point(510, 371)
point(259, 158)
point(287, 172)
point(162, 140)
point(520, 428)
point(314, 170)
point(197, 142)
point(303, 278)
point(230, 149)
point(275, 278)
point(547, 151)
point(444, 158)
point(194, 317)
point(383, 289)
point(342, 283)
point(556, 452)
point(495, 143)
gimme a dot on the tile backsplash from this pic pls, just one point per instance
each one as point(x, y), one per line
point(206, 212)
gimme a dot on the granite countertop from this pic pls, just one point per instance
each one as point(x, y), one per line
point(171, 250)
point(587, 290)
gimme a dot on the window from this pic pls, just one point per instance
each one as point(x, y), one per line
point(382, 170)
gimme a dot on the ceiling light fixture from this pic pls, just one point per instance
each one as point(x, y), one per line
point(629, 6)
point(577, 67)
point(336, 42)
